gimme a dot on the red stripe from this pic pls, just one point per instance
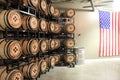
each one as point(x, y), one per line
point(119, 33)
point(115, 33)
point(100, 44)
point(112, 33)
point(109, 43)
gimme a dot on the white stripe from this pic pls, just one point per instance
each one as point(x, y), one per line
point(101, 44)
point(117, 33)
point(105, 37)
point(111, 34)
point(107, 41)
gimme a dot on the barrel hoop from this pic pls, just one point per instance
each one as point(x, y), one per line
point(9, 26)
point(28, 47)
point(31, 3)
point(7, 44)
point(6, 47)
point(29, 68)
point(28, 24)
point(5, 19)
point(1, 27)
point(2, 73)
point(0, 43)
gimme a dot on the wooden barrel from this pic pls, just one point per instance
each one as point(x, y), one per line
point(54, 27)
point(69, 28)
point(57, 43)
point(30, 71)
point(31, 3)
point(10, 49)
point(56, 12)
point(51, 44)
point(69, 43)
point(68, 13)
point(12, 75)
point(43, 45)
point(69, 58)
point(50, 61)
point(51, 9)
point(43, 25)
point(43, 66)
point(57, 58)
point(30, 23)
point(30, 46)
point(10, 19)
point(43, 6)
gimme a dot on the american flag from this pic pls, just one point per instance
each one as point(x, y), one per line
point(109, 33)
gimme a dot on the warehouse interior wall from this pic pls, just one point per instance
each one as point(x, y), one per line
point(87, 32)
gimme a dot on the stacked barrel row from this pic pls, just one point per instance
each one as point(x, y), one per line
point(35, 56)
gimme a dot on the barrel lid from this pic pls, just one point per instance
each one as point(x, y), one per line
point(43, 25)
point(52, 61)
point(70, 58)
point(33, 23)
point(52, 44)
point(70, 43)
point(14, 49)
point(34, 2)
point(43, 5)
point(43, 45)
point(14, 19)
point(52, 9)
point(70, 12)
point(34, 47)
point(15, 75)
point(57, 58)
point(57, 43)
point(52, 27)
point(34, 71)
point(56, 12)
point(43, 66)
point(70, 28)
point(57, 28)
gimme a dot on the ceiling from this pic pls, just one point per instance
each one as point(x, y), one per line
point(86, 5)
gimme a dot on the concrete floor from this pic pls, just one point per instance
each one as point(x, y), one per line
point(97, 69)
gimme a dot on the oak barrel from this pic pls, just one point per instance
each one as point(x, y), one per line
point(12, 75)
point(50, 61)
point(43, 45)
point(69, 28)
point(69, 58)
point(54, 27)
point(43, 6)
point(30, 46)
point(10, 49)
point(43, 25)
point(69, 43)
point(10, 19)
point(57, 58)
point(30, 23)
point(51, 44)
point(57, 43)
point(56, 12)
point(68, 13)
point(43, 66)
point(51, 10)
point(31, 3)
point(30, 70)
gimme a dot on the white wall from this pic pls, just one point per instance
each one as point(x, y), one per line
point(87, 25)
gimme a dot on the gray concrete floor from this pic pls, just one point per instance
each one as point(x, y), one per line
point(97, 69)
